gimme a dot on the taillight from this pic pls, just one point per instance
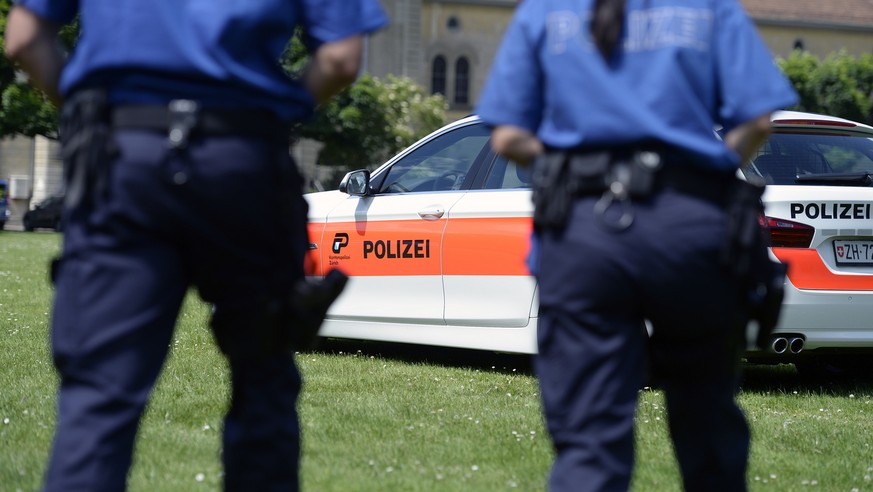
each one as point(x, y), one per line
point(788, 234)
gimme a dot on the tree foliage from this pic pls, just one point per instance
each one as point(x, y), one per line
point(24, 109)
point(369, 121)
point(840, 85)
point(372, 120)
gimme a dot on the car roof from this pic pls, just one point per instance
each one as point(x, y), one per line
point(798, 119)
point(780, 119)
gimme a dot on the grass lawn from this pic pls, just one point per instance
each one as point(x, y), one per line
point(379, 417)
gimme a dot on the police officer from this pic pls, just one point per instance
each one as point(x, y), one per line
point(635, 200)
point(175, 133)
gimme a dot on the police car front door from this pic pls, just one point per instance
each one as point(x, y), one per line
point(390, 246)
point(391, 243)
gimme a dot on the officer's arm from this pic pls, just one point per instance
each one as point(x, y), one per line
point(516, 143)
point(748, 137)
point(333, 67)
point(32, 43)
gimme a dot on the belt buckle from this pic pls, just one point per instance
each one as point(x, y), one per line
point(183, 116)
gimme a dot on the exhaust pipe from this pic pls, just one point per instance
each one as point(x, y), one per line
point(795, 345)
point(779, 345)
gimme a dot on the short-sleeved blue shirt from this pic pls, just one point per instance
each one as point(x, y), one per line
point(683, 67)
point(222, 53)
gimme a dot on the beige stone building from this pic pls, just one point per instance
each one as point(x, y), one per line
point(818, 26)
point(447, 46)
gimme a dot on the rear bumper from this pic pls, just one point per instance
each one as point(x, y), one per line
point(828, 319)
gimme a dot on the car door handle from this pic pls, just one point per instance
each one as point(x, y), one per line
point(431, 214)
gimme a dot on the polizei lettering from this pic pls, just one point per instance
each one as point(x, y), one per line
point(399, 248)
point(831, 210)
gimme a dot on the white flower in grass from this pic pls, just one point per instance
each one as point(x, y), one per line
point(200, 477)
point(6, 421)
point(475, 467)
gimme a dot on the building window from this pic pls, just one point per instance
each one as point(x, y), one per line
point(438, 76)
point(453, 24)
point(462, 81)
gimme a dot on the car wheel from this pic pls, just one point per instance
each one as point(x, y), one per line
point(28, 227)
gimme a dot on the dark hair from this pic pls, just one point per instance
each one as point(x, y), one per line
point(606, 22)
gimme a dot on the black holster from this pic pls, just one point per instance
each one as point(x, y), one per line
point(273, 325)
point(745, 256)
point(310, 304)
point(86, 146)
point(560, 176)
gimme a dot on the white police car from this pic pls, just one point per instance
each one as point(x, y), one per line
point(819, 208)
point(435, 242)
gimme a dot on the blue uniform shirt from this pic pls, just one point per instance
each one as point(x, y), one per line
point(220, 53)
point(683, 67)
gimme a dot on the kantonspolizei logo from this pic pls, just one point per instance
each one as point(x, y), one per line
point(340, 241)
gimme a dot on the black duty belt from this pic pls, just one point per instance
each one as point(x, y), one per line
point(619, 176)
point(698, 181)
point(675, 171)
point(183, 119)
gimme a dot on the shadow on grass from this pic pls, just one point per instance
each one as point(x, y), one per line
point(785, 378)
point(424, 354)
point(759, 378)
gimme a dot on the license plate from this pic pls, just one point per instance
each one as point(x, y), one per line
point(853, 252)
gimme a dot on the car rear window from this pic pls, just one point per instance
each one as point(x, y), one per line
point(814, 159)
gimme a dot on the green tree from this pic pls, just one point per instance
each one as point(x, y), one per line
point(24, 109)
point(372, 120)
point(799, 67)
point(840, 85)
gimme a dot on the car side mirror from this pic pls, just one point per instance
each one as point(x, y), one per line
point(356, 183)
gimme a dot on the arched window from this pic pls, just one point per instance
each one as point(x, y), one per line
point(462, 81)
point(438, 75)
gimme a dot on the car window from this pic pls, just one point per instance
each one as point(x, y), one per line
point(785, 156)
point(507, 175)
point(442, 164)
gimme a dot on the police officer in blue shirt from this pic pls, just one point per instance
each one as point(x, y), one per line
point(175, 135)
point(639, 216)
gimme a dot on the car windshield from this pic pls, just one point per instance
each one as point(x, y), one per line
point(809, 158)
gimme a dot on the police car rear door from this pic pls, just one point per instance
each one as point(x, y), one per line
point(486, 242)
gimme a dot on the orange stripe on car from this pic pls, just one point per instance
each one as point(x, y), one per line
point(806, 270)
point(470, 246)
point(492, 246)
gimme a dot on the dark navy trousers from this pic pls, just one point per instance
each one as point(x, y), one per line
point(224, 215)
point(597, 286)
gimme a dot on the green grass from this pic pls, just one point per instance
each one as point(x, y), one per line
point(379, 417)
